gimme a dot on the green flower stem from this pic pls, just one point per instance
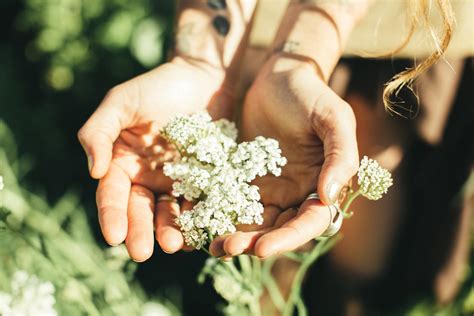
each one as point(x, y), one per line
point(271, 285)
point(246, 266)
point(255, 307)
point(347, 204)
point(301, 307)
point(295, 294)
point(257, 269)
point(293, 256)
point(233, 270)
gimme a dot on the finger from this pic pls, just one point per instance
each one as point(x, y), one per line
point(312, 220)
point(168, 233)
point(335, 124)
point(240, 242)
point(101, 130)
point(244, 241)
point(216, 248)
point(112, 202)
point(140, 239)
point(285, 217)
point(141, 170)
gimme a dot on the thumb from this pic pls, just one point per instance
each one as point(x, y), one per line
point(334, 123)
point(99, 133)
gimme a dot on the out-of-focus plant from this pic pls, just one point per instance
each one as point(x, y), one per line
point(49, 260)
point(68, 34)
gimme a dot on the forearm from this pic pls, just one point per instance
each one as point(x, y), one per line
point(318, 30)
point(213, 31)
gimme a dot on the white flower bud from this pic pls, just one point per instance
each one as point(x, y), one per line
point(373, 180)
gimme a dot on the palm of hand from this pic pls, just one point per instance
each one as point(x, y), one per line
point(153, 99)
point(280, 105)
point(291, 104)
point(123, 139)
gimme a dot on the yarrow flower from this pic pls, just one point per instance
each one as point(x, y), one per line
point(216, 171)
point(373, 180)
point(29, 297)
point(2, 185)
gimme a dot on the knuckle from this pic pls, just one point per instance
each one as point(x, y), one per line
point(81, 135)
point(114, 91)
point(137, 221)
point(352, 166)
point(324, 117)
point(348, 114)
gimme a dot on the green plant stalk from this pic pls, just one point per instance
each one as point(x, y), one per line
point(246, 266)
point(271, 286)
point(233, 270)
point(295, 291)
point(257, 269)
point(301, 307)
point(347, 204)
point(254, 307)
point(309, 259)
point(293, 256)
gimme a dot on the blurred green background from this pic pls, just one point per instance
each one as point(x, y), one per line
point(58, 58)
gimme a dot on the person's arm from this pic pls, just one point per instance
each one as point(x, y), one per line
point(317, 30)
point(316, 129)
point(213, 32)
point(122, 138)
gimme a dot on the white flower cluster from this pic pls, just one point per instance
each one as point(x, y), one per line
point(216, 171)
point(29, 297)
point(2, 185)
point(373, 180)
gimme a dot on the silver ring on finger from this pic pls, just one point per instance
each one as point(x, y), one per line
point(335, 217)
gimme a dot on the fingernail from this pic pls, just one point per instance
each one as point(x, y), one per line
point(226, 258)
point(333, 190)
point(90, 162)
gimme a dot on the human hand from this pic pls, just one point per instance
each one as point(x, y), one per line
point(125, 151)
point(316, 131)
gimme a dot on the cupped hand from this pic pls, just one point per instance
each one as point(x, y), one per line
point(125, 151)
point(316, 130)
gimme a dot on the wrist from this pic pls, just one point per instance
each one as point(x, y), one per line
point(292, 65)
point(213, 32)
point(290, 60)
point(318, 31)
point(213, 73)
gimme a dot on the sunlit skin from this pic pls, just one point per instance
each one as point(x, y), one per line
point(289, 101)
point(125, 151)
point(316, 131)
